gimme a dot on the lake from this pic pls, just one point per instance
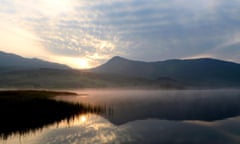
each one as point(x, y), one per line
point(145, 116)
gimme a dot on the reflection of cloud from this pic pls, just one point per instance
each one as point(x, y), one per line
point(95, 130)
point(98, 130)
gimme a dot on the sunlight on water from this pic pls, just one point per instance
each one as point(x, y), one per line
point(84, 129)
point(194, 117)
point(75, 121)
point(87, 128)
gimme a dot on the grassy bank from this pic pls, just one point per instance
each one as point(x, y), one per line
point(27, 110)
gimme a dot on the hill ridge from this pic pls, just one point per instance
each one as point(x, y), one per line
point(15, 61)
point(203, 71)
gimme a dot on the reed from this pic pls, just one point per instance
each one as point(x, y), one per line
point(22, 111)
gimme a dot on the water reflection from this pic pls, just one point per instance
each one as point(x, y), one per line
point(130, 105)
point(164, 131)
point(96, 129)
point(84, 129)
point(29, 115)
point(168, 117)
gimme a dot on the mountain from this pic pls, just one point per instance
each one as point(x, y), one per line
point(75, 79)
point(200, 72)
point(19, 72)
point(12, 61)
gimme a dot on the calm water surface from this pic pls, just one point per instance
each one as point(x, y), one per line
point(146, 116)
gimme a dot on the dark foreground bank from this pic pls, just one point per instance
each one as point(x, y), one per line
point(22, 111)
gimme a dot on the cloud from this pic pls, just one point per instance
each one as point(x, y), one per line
point(148, 30)
point(18, 40)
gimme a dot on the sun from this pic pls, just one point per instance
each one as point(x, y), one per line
point(74, 62)
point(83, 63)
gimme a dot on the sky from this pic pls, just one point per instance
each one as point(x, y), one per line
point(85, 34)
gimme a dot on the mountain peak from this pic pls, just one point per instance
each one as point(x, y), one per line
point(192, 71)
point(117, 58)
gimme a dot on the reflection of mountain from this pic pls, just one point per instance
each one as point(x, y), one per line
point(210, 107)
point(205, 71)
point(178, 132)
point(177, 105)
point(149, 131)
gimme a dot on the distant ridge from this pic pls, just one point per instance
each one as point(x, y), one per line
point(203, 71)
point(118, 72)
point(13, 61)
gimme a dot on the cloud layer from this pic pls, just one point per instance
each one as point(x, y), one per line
point(73, 31)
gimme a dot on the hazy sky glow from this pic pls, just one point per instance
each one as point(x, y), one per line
point(83, 33)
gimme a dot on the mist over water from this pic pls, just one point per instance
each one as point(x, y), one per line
point(129, 105)
point(147, 116)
